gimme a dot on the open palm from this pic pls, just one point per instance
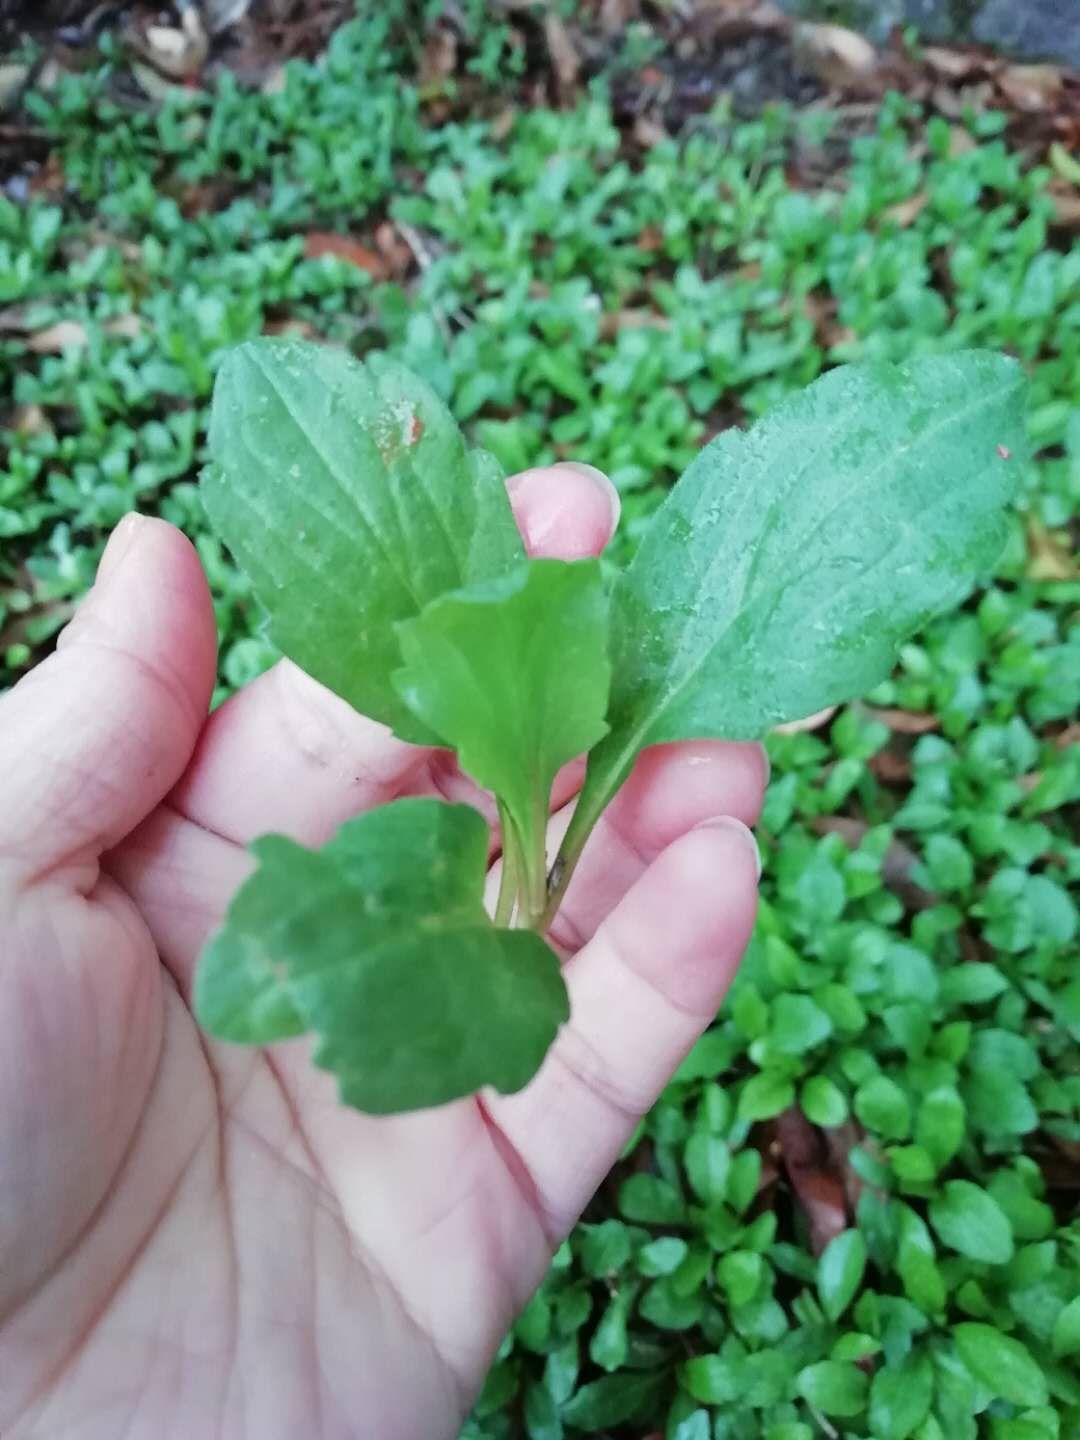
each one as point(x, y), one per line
point(197, 1240)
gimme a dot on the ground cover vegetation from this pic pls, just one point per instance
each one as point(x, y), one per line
point(854, 1210)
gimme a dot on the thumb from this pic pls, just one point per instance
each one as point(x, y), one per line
point(95, 736)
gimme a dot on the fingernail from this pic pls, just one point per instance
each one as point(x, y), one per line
point(121, 542)
point(598, 478)
point(745, 834)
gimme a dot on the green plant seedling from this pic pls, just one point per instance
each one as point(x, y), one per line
point(780, 576)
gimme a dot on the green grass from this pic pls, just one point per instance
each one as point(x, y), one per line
point(913, 989)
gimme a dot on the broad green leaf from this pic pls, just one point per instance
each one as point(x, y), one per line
point(712, 1379)
point(840, 1271)
point(972, 1222)
point(347, 494)
point(740, 1272)
point(609, 1342)
point(823, 1102)
point(541, 1415)
point(834, 1387)
point(900, 1397)
point(939, 1126)
point(881, 1105)
point(380, 944)
point(651, 1200)
point(1001, 1363)
point(790, 561)
point(797, 1024)
point(765, 1095)
point(614, 1400)
point(1066, 1335)
point(916, 1263)
point(514, 674)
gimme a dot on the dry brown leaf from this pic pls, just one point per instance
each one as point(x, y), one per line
point(952, 64)
point(954, 101)
point(1032, 88)
point(614, 321)
point(905, 212)
point(503, 123)
point(1066, 200)
point(29, 420)
point(961, 141)
point(1049, 555)
point(890, 768)
point(64, 335)
point(904, 722)
point(810, 722)
point(649, 132)
point(565, 60)
point(180, 52)
point(318, 243)
point(815, 1180)
point(836, 55)
point(394, 250)
point(1069, 736)
point(438, 59)
point(129, 325)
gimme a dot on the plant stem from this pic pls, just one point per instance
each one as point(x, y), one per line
point(533, 875)
point(580, 828)
point(504, 907)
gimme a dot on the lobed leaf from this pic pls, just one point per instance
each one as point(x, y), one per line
point(380, 944)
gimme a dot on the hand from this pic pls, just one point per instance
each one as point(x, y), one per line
point(198, 1240)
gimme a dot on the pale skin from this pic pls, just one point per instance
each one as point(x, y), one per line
point(197, 1240)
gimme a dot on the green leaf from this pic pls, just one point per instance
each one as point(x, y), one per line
point(740, 1272)
point(347, 494)
point(765, 1095)
point(514, 674)
point(916, 1263)
point(614, 1400)
point(651, 1200)
point(834, 1387)
point(797, 1024)
point(939, 1125)
point(379, 942)
point(900, 1397)
point(971, 1222)
point(1066, 1336)
point(823, 1101)
point(707, 1160)
point(541, 1415)
point(840, 1271)
point(608, 1345)
point(1001, 1363)
point(789, 562)
point(881, 1105)
point(712, 1379)
point(662, 1256)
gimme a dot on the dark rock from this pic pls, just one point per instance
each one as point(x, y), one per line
point(1034, 29)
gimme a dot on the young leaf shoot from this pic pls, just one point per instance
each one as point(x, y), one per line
point(780, 576)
